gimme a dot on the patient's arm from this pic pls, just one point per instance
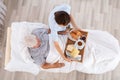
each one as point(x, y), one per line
point(60, 51)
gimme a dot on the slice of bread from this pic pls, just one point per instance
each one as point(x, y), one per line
point(75, 52)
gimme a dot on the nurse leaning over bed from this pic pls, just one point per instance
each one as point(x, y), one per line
point(59, 19)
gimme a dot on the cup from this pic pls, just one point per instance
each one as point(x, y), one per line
point(83, 37)
point(79, 43)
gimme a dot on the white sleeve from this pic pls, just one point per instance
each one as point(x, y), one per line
point(54, 35)
point(52, 25)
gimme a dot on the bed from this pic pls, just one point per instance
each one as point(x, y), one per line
point(15, 60)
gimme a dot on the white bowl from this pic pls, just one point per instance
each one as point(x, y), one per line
point(79, 47)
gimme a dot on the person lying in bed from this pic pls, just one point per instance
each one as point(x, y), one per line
point(38, 46)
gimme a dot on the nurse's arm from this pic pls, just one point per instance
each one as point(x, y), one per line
point(60, 51)
point(74, 23)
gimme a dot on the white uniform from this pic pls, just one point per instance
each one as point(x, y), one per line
point(52, 23)
point(54, 29)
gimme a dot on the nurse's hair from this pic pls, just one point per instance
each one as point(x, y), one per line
point(30, 40)
point(62, 18)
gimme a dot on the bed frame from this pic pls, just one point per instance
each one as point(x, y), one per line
point(8, 46)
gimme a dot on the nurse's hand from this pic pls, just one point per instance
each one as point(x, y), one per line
point(63, 32)
point(67, 31)
point(67, 59)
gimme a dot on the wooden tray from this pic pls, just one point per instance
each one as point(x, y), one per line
point(73, 42)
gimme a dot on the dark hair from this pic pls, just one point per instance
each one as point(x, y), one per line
point(62, 17)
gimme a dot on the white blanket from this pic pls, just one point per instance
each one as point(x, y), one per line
point(102, 52)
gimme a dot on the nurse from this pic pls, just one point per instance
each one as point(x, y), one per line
point(59, 19)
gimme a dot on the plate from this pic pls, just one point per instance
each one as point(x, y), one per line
point(76, 58)
point(81, 46)
point(70, 37)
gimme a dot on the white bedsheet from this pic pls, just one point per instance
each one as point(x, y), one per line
point(102, 52)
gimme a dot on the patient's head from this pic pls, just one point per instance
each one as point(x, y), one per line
point(32, 41)
point(62, 18)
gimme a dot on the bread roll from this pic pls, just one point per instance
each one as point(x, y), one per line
point(78, 33)
point(74, 36)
